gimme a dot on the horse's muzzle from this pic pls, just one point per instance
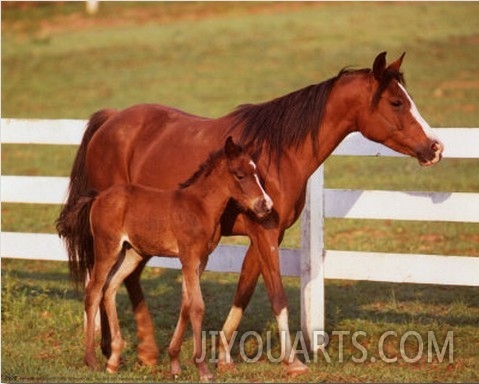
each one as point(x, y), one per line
point(433, 155)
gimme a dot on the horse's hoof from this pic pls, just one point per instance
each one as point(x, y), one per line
point(226, 367)
point(148, 361)
point(148, 356)
point(296, 368)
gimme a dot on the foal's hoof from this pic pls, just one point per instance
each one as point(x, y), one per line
point(226, 367)
point(91, 363)
point(296, 368)
point(175, 369)
point(206, 377)
point(110, 368)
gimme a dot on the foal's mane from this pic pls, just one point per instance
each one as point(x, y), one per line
point(287, 120)
point(204, 169)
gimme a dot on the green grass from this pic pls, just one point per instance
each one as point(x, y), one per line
point(206, 58)
point(46, 344)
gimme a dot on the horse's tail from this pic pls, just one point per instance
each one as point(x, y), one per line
point(73, 223)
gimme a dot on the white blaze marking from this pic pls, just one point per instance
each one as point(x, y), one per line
point(423, 123)
point(269, 202)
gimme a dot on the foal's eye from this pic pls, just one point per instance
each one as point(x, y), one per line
point(396, 103)
point(240, 176)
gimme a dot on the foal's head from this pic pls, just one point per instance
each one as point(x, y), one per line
point(244, 183)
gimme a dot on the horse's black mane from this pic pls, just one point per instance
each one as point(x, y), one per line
point(204, 169)
point(287, 120)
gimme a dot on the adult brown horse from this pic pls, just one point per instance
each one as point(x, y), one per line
point(160, 146)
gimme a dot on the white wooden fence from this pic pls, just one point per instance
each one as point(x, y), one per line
point(313, 262)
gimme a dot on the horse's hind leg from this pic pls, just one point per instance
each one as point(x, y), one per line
point(105, 331)
point(147, 348)
point(130, 262)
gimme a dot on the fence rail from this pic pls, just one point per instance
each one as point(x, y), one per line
point(313, 263)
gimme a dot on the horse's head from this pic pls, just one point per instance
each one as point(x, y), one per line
point(392, 118)
point(246, 187)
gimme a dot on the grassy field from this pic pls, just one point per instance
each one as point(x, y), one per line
point(206, 58)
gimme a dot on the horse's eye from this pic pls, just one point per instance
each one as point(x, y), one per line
point(396, 103)
point(240, 176)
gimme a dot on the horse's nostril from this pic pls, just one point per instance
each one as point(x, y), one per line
point(436, 147)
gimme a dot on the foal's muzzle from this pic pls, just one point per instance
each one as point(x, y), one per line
point(263, 206)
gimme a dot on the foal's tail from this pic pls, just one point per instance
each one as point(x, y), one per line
point(73, 223)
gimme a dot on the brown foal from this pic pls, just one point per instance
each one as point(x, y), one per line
point(130, 222)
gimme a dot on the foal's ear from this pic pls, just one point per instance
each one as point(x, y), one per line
point(231, 149)
point(379, 66)
point(250, 148)
point(397, 64)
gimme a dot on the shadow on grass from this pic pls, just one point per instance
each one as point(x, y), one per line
point(345, 300)
point(394, 303)
point(348, 304)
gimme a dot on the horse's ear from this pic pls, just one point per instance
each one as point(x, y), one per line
point(231, 149)
point(397, 64)
point(379, 66)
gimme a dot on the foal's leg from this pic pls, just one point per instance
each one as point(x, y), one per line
point(174, 348)
point(131, 261)
point(192, 307)
point(191, 276)
point(147, 348)
point(93, 296)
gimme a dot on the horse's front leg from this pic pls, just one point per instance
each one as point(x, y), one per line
point(147, 348)
point(250, 272)
point(267, 243)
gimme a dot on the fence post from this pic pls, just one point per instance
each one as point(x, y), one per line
point(312, 258)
